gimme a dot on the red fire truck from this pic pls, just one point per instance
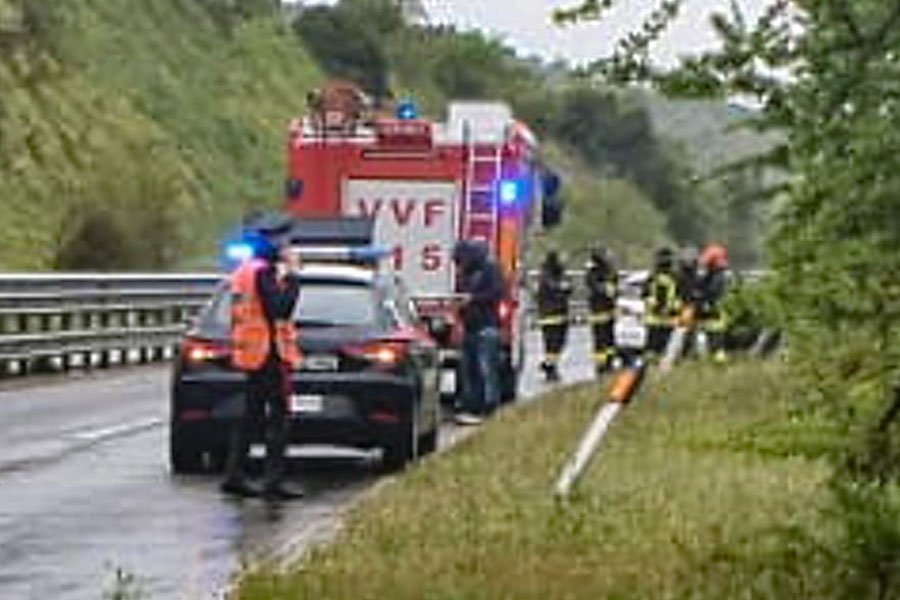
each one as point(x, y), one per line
point(427, 184)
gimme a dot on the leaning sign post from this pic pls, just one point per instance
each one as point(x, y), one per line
point(675, 346)
point(624, 387)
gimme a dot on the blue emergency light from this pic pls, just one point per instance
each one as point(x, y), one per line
point(510, 191)
point(239, 251)
point(407, 110)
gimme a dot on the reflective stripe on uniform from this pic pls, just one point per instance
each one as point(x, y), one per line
point(670, 304)
point(600, 318)
point(553, 320)
point(716, 323)
point(602, 356)
point(668, 321)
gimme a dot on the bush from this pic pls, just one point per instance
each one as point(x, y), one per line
point(125, 217)
point(98, 241)
point(349, 40)
point(751, 308)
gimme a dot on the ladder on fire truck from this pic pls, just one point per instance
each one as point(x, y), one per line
point(484, 170)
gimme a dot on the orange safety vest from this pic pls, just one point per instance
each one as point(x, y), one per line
point(250, 332)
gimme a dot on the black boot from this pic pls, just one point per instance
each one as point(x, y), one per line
point(275, 487)
point(239, 487)
point(283, 490)
point(552, 373)
point(238, 446)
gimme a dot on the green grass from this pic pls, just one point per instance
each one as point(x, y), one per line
point(687, 499)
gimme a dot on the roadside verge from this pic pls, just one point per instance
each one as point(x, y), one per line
point(704, 488)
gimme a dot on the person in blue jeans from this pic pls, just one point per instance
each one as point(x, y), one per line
point(481, 283)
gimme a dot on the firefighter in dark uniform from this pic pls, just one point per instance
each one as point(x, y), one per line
point(686, 274)
point(711, 286)
point(554, 290)
point(601, 281)
point(686, 281)
point(662, 303)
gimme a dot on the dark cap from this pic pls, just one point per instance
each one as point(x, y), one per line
point(269, 224)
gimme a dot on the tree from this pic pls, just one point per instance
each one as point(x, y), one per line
point(616, 134)
point(349, 40)
point(828, 73)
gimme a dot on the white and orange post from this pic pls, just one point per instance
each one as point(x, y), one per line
point(624, 387)
point(678, 337)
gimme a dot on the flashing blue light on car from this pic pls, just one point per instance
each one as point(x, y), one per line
point(239, 251)
point(407, 110)
point(509, 191)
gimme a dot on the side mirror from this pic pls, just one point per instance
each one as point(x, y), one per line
point(551, 183)
point(552, 212)
point(440, 330)
point(552, 206)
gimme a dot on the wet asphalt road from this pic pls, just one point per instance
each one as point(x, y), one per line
point(85, 491)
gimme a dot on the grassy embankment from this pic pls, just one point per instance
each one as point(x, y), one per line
point(706, 488)
point(157, 119)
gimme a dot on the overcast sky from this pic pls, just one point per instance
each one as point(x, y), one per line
point(526, 25)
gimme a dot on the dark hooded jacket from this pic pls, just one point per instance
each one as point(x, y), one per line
point(481, 280)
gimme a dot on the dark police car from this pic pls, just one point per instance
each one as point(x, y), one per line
point(369, 376)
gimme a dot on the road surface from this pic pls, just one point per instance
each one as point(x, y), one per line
point(85, 491)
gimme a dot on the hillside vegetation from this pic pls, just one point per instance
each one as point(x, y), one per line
point(132, 133)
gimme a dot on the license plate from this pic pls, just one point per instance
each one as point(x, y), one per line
point(634, 336)
point(306, 404)
point(320, 362)
point(448, 381)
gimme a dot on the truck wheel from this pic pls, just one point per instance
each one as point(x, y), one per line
point(218, 456)
point(185, 458)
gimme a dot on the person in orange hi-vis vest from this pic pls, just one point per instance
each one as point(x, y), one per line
point(264, 292)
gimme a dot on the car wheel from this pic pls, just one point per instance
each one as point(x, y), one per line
point(185, 458)
point(403, 449)
point(509, 382)
point(428, 441)
point(217, 458)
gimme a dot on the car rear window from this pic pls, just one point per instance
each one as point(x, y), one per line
point(336, 304)
point(321, 303)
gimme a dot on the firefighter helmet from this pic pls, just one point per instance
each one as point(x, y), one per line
point(714, 256)
point(663, 259)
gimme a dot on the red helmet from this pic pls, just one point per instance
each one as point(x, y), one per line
point(714, 256)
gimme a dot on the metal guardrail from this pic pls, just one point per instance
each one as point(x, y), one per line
point(56, 321)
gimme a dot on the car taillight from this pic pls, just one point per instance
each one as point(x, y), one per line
point(505, 310)
point(204, 351)
point(381, 354)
